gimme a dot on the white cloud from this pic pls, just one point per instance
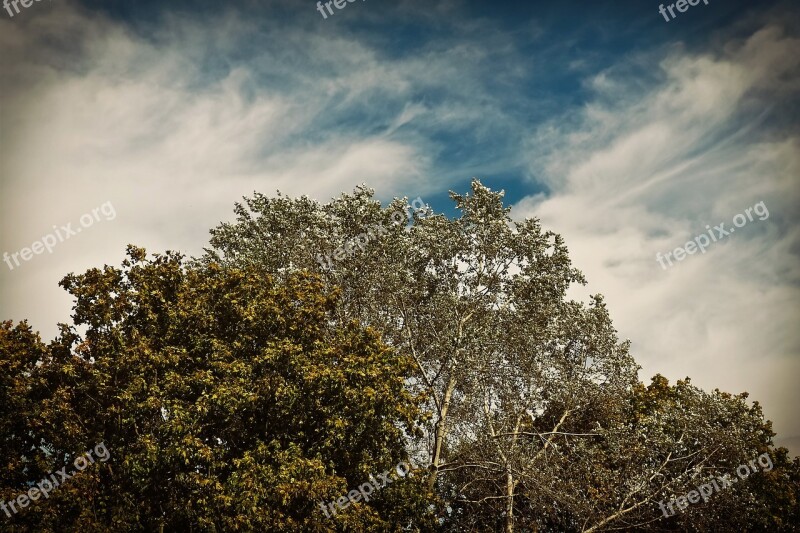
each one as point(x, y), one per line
point(140, 125)
point(176, 123)
point(641, 172)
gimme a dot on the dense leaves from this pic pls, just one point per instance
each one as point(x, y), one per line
point(535, 418)
point(227, 401)
point(243, 389)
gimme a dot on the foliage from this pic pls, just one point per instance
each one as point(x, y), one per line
point(535, 417)
point(240, 390)
point(226, 399)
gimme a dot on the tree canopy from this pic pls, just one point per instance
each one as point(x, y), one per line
point(227, 401)
point(535, 417)
point(240, 389)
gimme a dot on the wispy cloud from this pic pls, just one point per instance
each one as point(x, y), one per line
point(643, 169)
point(176, 122)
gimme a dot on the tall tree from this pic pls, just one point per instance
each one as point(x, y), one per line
point(529, 396)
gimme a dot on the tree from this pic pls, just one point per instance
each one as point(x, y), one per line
point(20, 390)
point(244, 388)
point(528, 421)
point(227, 400)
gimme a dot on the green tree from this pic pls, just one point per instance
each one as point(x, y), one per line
point(227, 400)
point(240, 390)
point(20, 350)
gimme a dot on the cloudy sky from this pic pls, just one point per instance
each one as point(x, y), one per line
point(626, 133)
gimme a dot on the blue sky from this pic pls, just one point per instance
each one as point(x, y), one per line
point(625, 133)
point(525, 63)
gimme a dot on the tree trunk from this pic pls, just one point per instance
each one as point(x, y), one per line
point(440, 432)
point(509, 502)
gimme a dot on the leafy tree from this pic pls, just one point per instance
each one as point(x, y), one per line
point(227, 400)
point(534, 411)
point(20, 350)
point(688, 437)
point(242, 389)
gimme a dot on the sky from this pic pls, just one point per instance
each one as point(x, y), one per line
point(625, 132)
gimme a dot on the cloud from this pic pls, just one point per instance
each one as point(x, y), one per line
point(119, 117)
point(642, 170)
point(175, 120)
